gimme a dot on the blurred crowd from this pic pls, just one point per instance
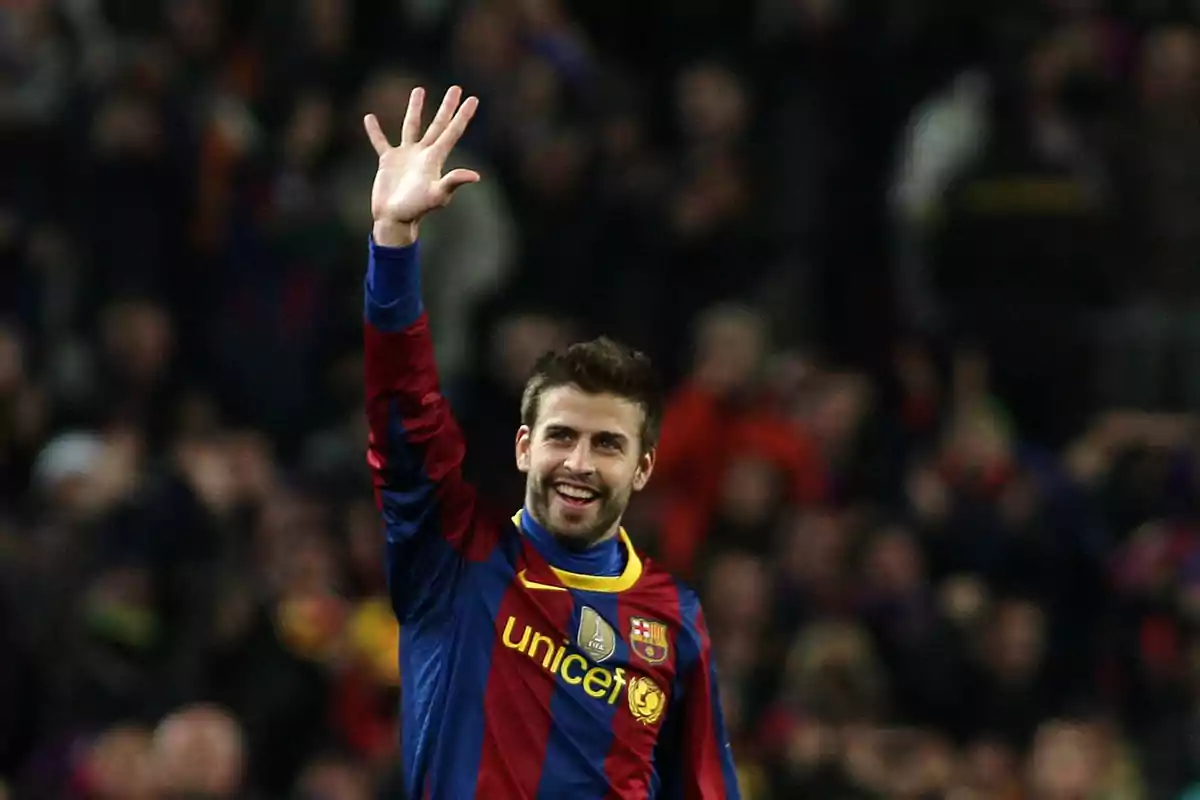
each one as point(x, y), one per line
point(924, 278)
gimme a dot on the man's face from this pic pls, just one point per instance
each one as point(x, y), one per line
point(583, 460)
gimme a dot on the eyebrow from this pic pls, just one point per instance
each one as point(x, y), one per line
point(562, 428)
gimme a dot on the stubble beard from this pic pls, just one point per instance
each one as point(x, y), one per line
point(608, 510)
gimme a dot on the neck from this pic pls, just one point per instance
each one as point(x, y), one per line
point(603, 557)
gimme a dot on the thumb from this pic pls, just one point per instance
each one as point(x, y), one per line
point(456, 178)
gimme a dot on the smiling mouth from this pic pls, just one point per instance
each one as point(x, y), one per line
point(576, 496)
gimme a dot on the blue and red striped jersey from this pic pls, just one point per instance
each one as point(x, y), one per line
point(520, 679)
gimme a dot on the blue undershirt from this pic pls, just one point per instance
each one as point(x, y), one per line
point(604, 559)
point(393, 287)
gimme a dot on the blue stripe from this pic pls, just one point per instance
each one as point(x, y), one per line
point(421, 685)
point(445, 651)
point(689, 644)
point(668, 753)
point(460, 730)
point(410, 503)
point(689, 609)
point(421, 565)
point(420, 569)
point(581, 734)
point(728, 769)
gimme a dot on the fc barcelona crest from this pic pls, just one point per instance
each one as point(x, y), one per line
point(595, 636)
point(648, 638)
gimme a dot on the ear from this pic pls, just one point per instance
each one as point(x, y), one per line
point(644, 468)
point(524, 448)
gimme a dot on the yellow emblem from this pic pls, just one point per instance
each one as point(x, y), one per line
point(646, 700)
point(595, 636)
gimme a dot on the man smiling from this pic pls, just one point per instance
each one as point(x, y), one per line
point(541, 656)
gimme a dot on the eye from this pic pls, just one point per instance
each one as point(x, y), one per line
point(559, 435)
point(608, 442)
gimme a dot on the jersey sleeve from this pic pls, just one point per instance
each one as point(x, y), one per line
point(415, 448)
point(698, 760)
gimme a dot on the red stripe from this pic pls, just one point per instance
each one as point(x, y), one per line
point(700, 733)
point(630, 760)
point(516, 704)
point(401, 378)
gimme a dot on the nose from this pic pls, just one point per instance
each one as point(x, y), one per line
point(579, 460)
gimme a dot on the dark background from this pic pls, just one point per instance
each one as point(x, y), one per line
point(924, 277)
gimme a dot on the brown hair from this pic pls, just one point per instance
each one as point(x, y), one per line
point(600, 366)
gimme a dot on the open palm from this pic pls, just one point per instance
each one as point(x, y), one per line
point(410, 183)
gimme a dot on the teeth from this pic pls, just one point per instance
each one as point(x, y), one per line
point(575, 492)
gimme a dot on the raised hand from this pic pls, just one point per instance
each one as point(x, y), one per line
point(410, 183)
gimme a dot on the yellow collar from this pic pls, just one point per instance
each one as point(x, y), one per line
point(598, 583)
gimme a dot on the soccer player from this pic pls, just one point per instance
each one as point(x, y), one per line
point(541, 656)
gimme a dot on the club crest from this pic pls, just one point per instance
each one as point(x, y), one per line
point(648, 638)
point(595, 636)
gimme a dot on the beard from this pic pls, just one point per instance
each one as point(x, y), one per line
point(576, 528)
